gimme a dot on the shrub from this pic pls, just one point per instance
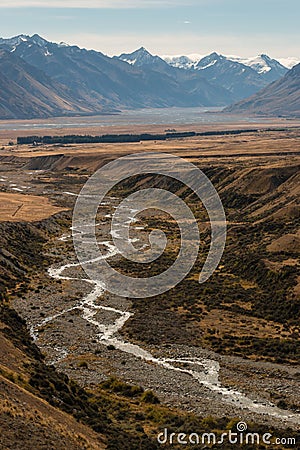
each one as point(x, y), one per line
point(150, 397)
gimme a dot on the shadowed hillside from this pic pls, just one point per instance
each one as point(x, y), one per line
point(281, 98)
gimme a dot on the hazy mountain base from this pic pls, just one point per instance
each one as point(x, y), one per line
point(75, 81)
point(281, 98)
point(45, 79)
point(26, 92)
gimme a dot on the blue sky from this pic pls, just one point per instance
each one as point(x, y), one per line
point(239, 27)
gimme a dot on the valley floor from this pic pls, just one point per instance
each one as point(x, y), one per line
point(229, 349)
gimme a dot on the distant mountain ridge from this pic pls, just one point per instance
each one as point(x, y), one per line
point(28, 92)
point(142, 57)
point(280, 98)
point(260, 63)
point(44, 79)
point(98, 83)
point(240, 76)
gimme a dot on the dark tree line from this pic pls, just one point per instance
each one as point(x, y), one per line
point(123, 138)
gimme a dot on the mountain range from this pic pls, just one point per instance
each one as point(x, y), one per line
point(239, 76)
point(44, 79)
point(269, 68)
point(280, 98)
point(26, 92)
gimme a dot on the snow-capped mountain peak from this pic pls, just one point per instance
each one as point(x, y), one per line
point(18, 40)
point(38, 40)
point(209, 61)
point(141, 57)
point(182, 61)
point(63, 44)
point(193, 61)
point(14, 41)
point(268, 68)
point(262, 64)
point(19, 43)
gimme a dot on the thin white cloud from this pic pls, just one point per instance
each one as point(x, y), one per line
point(289, 62)
point(97, 4)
